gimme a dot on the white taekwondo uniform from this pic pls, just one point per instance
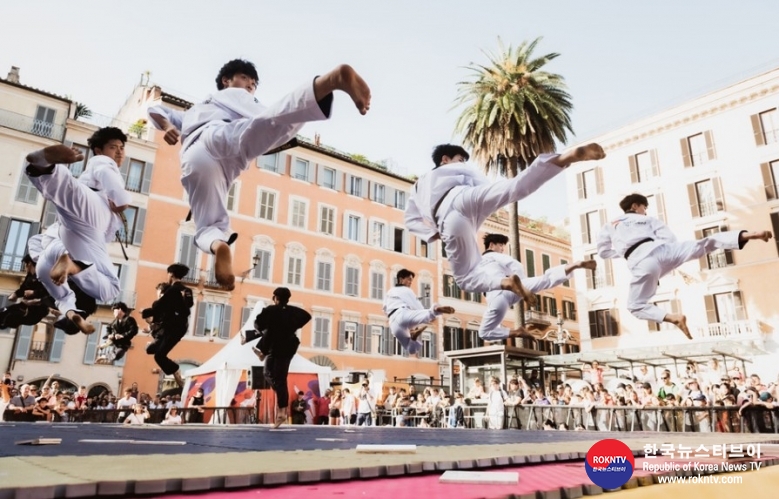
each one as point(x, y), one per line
point(85, 225)
point(464, 198)
point(221, 136)
point(404, 311)
point(500, 265)
point(657, 256)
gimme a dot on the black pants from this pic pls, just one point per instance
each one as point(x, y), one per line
point(276, 371)
point(162, 346)
point(18, 314)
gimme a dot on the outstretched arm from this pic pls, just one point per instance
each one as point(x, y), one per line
point(168, 121)
point(605, 248)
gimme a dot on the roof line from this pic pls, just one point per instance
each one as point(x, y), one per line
point(36, 90)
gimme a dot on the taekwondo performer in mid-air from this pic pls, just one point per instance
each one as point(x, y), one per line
point(652, 251)
point(223, 134)
point(451, 202)
point(406, 315)
point(499, 264)
point(89, 213)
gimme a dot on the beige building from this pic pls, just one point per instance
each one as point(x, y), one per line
point(708, 165)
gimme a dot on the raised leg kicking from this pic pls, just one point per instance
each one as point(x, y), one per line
point(652, 251)
point(407, 317)
point(498, 264)
point(452, 201)
point(223, 134)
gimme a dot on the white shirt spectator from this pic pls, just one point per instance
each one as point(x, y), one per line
point(126, 403)
point(172, 419)
point(135, 419)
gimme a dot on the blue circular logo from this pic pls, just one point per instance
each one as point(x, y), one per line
point(609, 464)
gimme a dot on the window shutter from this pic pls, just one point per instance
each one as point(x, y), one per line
point(27, 192)
point(359, 343)
point(660, 201)
point(686, 156)
point(609, 273)
point(584, 230)
point(599, 179)
point(757, 129)
point(389, 196)
point(739, 305)
point(49, 214)
point(364, 188)
point(245, 315)
point(693, 196)
point(57, 343)
point(3, 301)
point(140, 224)
point(200, 323)
point(339, 181)
point(227, 322)
point(311, 172)
point(655, 166)
point(580, 185)
point(717, 185)
point(265, 274)
point(712, 153)
point(633, 170)
point(35, 228)
point(590, 275)
point(363, 230)
point(124, 169)
point(345, 229)
point(368, 338)
point(704, 260)
point(613, 317)
point(320, 174)
point(433, 346)
point(602, 216)
point(24, 338)
point(146, 182)
point(347, 183)
point(711, 309)
point(768, 181)
point(91, 348)
point(775, 226)
point(341, 335)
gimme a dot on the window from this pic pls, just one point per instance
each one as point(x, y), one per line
point(136, 220)
point(328, 178)
point(769, 123)
point(353, 228)
point(472, 296)
point(550, 305)
point(210, 320)
point(399, 240)
point(770, 172)
point(589, 183)
point(604, 323)
point(378, 234)
point(27, 193)
point(698, 149)
point(270, 162)
point(15, 234)
point(299, 209)
point(324, 276)
point(724, 308)
point(428, 350)
point(530, 263)
point(300, 169)
point(546, 262)
point(716, 259)
point(267, 206)
point(601, 277)
point(378, 193)
point(451, 289)
point(643, 166)
point(43, 124)
point(425, 290)
point(231, 197)
point(706, 198)
point(424, 251)
point(261, 270)
point(76, 169)
point(775, 226)
point(569, 310)
point(355, 186)
point(656, 207)
point(400, 200)
point(591, 222)
point(352, 283)
point(453, 338)
point(134, 176)
point(327, 220)
point(567, 283)
point(321, 332)
point(294, 270)
point(377, 285)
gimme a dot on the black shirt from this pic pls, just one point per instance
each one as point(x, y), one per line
point(279, 324)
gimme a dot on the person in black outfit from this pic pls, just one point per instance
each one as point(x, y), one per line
point(195, 407)
point(276, 326)
point(172, 311)
point(122, 330)
point(34, 301)
point(299, 406)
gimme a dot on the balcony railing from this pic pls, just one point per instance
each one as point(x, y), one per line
point(28, 124)
point(127, 296)
point(538, 319)
point(39, 350)
point(10, 262)
point(735, 329)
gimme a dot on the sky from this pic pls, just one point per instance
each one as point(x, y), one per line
point(621, 60)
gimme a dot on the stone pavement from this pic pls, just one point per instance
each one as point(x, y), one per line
point(150, 460)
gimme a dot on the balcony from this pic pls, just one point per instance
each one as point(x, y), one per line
point(537, 319)
point(11, 263)
point(748, 329)
point(126, 295)
point(39, 350)
point(28, 124)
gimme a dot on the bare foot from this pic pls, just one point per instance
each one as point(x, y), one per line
point(59, 153)
point(347, 80)
point(444, 310)
point(582, 153)
point(417, 332)
point(179, 379)
point(679, 321)
point(62, 269)
point(223, 265)
point(520, 332)
point(83, 326)
point(281, 418)
point(514, 284)
point(588, 264)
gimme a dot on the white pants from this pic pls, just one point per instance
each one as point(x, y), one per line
point(469, 207)
point(403, 320)
point(663, 259)
point(498, 302)
point(213, 160)
point(84, 219)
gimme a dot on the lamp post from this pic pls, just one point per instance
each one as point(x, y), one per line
point(559, 336)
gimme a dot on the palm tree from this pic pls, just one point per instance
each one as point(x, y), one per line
point(82, 111)
point(513, 112)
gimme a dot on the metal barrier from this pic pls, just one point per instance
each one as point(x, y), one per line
point(213, 415)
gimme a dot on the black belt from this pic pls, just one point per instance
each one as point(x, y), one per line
point(439, 203)
point(633, 248)
point(390, 314)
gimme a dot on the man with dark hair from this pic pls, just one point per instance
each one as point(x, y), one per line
point(171, 311)
point(495, 262)
point(223, 134)
point(406, 315)
point(276, 326)
point(652, 251)
point(452, 201)
point(89, 215)
point(34, 303)
point(122, 330)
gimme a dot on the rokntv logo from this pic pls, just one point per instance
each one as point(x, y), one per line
point(609, 464)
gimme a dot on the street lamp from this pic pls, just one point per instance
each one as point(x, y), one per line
point(255, 261)
point(559, 336)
